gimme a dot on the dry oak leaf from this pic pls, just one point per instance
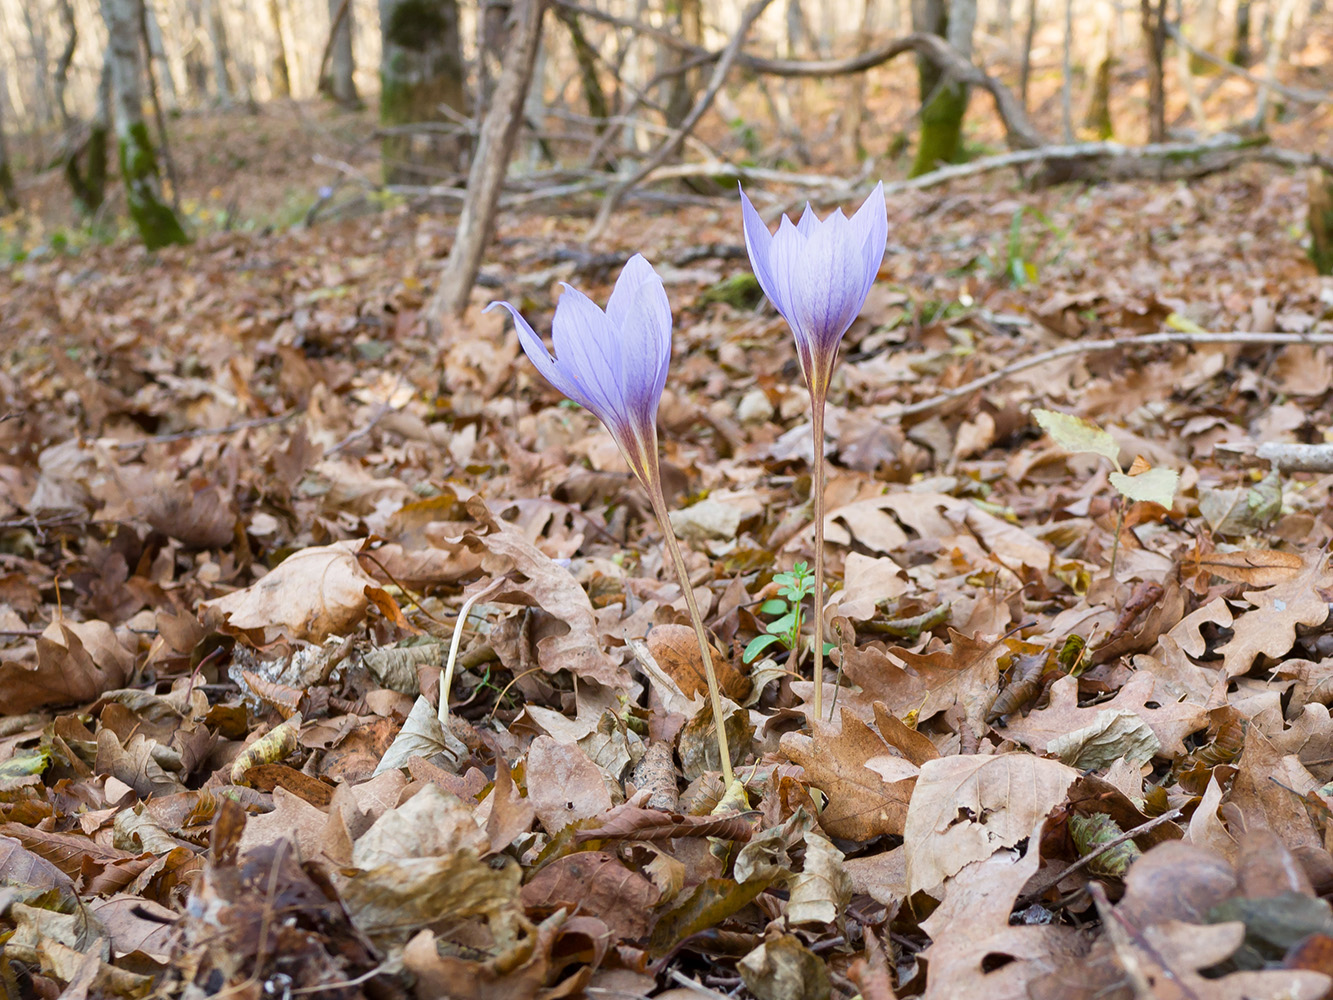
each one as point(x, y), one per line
point(310, 595)
point(867, 782)
point(1257, 567)
point(967, 673)
point(76, 662)
point(564, 786)
point(965, 808)
point(1270, 629)
point(1171, 720)
point(597, 883)
point(676, 650)
point(970, 931)
point(549, 586)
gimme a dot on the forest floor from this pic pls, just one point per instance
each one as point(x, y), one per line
point(246, 492)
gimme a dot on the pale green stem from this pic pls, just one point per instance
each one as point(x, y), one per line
point(817, 495)
point(714, 695)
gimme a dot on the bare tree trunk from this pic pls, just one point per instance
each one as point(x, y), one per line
point(421, 68)
point(195, 54)
point(688, 16)
point(61, 76)
point(1153, 21)
point(495, 146)
point(943, 100)
point(7, 190)
point(1067, 83)
point(1277, 38)
point(1025, 69)
point(1098, 115)
point(89, 186)
point(167, 161)
point(1241, 53)
point(223, 80)
point(586, 57)
point(856, 97)
point(41, 108)
point(1185, 70)
point(157, 52)
point(157, 224)
point(339, 82)
point(281, 77)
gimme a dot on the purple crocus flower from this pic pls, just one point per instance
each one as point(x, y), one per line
point(817, 275)
point(613, 363)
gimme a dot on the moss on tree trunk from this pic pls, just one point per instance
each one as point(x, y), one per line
point(156, 222)
point(941, 139)
point(89, 186)
point(1321, 220)
point(421, 68)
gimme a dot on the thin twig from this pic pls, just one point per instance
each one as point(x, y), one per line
point(671, 146)
point(1087, 859)
point(199, 432)
point(1095, 346)
point(442, 712)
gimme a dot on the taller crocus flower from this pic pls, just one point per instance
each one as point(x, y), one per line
point(614, 363)
point(817, 274)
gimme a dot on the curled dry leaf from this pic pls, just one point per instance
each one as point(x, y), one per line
point(76, 661)
point(1257, 567)
point(310, 595)
point(676, 650)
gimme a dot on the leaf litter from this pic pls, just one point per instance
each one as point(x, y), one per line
point(241, 517)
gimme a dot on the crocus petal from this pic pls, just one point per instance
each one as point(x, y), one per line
point(872, 222)
point(636, 271)
point(646, 335)
point(759, 244)
point(537, 353)
point(809, 221)
point(589, 351)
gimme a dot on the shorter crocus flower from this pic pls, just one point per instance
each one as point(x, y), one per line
point(614, 363)
point(817, 275)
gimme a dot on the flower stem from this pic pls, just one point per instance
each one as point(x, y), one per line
point(817, 495)
point(714, 695)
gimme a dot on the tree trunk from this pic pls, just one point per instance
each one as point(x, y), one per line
point(7, 191)
point(224, 82)
point(1279, 25)
point(1067, 75)
point(1241, 53)
point(1153, 20)
point(338, 83)
point(61, 76)
point(1097, 119)
point(1025, 68)
point(281, 77)
point(943, 101)
point(684, 86)
point(89, 186)
point(157, 224)
point(158, 53)
point(856, 97)
point(421, 68)
point(586, 57)
point(1321, 220)
point(495, 146)
point(41, 107)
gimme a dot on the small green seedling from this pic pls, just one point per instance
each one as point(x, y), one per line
point(1142, 482)
point(794, 588)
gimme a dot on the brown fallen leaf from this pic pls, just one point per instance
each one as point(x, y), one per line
point(964, 808)
point(967, 673)
point(1257, 567)
point(1270, 629)
point(76, 662)
point(867, 782)
point(564, 786)
point(782, 968)
point(596, 883)
point(310, 595)
point(676, 650)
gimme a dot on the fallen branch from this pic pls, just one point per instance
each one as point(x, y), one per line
point(1297, 457)
point(1042, 883)
point(1098, 346)
point(1293, 93)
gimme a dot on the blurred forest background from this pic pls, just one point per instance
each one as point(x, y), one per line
point(262, 113)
